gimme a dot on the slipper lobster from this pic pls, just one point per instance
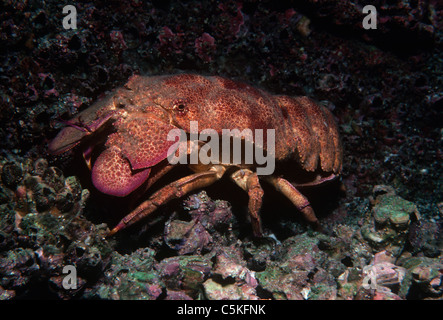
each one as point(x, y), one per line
point(131, 128)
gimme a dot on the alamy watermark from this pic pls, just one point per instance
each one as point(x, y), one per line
point(70, 280)
point(370, 21)
point(70, 20)
point(230, 151)
point(370, 278)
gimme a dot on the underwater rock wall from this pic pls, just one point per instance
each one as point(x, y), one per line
point(383, 235)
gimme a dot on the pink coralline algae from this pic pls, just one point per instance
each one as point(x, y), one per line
point(118, 43)
point(170, 42)
point(210, 221)
point(383, 277)
point(205, 46)
point(231, 19)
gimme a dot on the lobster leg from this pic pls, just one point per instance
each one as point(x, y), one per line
point(173, 190)
point(299, 200)
point(248, 181)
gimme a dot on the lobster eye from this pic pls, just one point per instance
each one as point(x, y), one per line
point(180, 107)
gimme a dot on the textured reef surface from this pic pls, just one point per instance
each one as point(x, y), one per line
point(382, 221)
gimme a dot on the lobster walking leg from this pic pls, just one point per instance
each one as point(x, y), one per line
point(173, 190)
point(299, 200)
point(248, 181)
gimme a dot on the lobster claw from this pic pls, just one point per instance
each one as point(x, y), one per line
point(143, 141)
point(125, 164)
point(84, 124)
point(112, 174)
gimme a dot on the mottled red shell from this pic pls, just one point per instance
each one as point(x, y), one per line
point(305, 131)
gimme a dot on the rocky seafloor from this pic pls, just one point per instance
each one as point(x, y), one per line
point(382, 220)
